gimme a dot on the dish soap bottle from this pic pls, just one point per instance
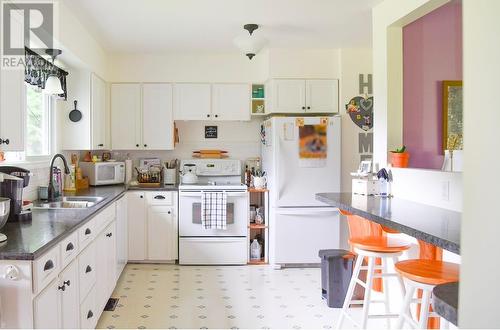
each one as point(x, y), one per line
point(255, 250)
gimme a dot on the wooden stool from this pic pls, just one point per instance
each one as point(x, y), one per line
point(425, 275)
point(372, 247)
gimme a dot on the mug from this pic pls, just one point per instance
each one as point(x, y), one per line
point(259, 182)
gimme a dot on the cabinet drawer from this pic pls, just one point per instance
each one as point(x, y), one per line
point(69, 249)
point(104, 218)
point(86, 234)
point(88, 311)
point(87, 270)
point(160, 197)
point(45, 269)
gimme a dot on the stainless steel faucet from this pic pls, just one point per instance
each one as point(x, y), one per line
point(51, 192)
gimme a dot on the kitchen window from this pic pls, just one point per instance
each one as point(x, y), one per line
point(38, 128)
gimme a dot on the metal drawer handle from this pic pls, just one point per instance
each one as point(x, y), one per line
point(48, 265)
point(88, 269)
point(109, 234)
point(90, 314)
point(70, 246)
point(159, 197)
point(88, 231)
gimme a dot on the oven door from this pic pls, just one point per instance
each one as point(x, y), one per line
point(190, 215)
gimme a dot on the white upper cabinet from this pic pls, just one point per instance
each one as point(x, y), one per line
point(231, 102)
point(322, 96)
point(12, 110)
point(157, 117)
point(288, 95)
point(99, 122)
point(91, 132)
point(126, 116)
point(141, 117)
point(192, 102)
point(302, 96)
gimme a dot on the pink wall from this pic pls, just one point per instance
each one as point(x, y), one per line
point(432, 52)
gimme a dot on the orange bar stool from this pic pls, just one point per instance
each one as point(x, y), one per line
point(372, 247)
point(425, 275)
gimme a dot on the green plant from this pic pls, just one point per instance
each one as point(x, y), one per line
point(399, 150)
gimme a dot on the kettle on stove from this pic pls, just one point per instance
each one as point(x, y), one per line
point(188, 175)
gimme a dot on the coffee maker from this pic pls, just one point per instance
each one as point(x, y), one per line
point(15, 179)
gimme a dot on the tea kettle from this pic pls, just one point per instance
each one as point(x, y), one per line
point(188, 175)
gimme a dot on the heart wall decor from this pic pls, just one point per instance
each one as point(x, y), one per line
point(360, 110)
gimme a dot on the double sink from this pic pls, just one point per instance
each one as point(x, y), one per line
point(69, 202)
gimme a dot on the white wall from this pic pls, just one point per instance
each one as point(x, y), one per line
point(352, 63)
point(304, 63)
point(479, 277)
point(188, 67)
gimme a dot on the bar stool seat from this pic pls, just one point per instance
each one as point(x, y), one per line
point(372, 248)
point(433, 272)
point(379, 244)
point(425, 275)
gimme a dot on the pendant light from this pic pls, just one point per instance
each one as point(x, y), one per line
point(250, 44)
point(53, 83)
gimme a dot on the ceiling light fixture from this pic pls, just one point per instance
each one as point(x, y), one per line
point(53, 83)
point(250, 44)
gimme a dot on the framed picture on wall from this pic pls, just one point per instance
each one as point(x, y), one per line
point(452, 115)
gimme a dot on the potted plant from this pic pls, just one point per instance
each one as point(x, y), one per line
point(400, 157)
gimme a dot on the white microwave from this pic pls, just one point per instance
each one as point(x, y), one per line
point(104, 173)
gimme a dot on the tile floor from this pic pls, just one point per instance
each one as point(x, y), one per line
point(172, 296)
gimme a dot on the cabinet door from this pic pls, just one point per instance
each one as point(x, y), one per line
point(126, 116)
point(136, 225)
point(111, 261)
point(121, 235)
point(162, 234)
point(322, 96)
point(47, 307)
point(12, 110)
point(192, 102)
point(157, 117)
point(231, 102)
point(70, 303)
point(99, 113)
point(288, 96)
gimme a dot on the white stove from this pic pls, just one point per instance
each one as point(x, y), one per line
point(200, 246)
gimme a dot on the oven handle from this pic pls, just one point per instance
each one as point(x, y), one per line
point(229, 194)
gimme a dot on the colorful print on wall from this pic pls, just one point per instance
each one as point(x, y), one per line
point(360, 109)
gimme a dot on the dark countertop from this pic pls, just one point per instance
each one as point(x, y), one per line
point(434, 225)
point(29, 240)
point(166, 187)
point(446, 301)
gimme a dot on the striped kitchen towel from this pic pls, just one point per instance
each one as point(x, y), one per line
point(213, 210)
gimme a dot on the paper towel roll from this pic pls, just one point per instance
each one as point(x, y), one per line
point(128, 170)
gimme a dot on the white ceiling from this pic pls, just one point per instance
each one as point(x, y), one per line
point(156, 26)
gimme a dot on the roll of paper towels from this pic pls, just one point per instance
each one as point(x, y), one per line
point(128, 170)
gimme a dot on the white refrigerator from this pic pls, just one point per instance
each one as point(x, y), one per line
point(302, 157)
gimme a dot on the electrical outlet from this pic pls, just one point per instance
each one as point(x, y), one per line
point(445, 190)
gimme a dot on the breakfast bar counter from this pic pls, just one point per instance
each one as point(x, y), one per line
point(437, 226)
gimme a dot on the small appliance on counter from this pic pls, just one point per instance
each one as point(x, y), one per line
point(4, 215)
point(188, 174)
point(15, 179)
point(104, 173)
point(364, 182)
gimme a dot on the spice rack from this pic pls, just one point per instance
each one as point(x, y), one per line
point(259, 198)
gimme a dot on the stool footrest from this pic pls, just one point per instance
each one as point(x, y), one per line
point(383, 316)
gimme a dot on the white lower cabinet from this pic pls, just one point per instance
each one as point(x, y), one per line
point(106, 265)
point(152, 225)
point(162, 233)
point(57, 306)
point(47, 308)
point(75, 296)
